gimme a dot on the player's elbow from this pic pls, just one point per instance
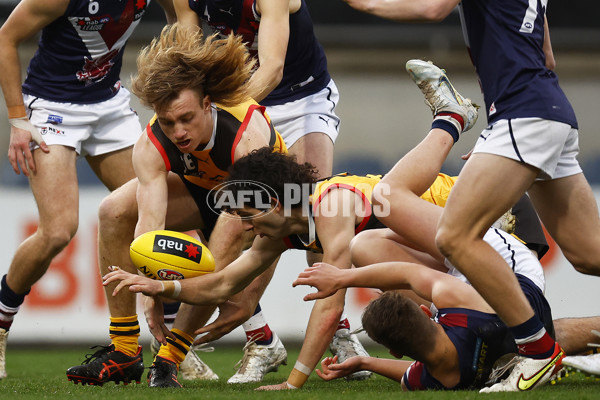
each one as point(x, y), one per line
point(435, 11)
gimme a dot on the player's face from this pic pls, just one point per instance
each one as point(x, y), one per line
point(269, 224)
point(187, 121)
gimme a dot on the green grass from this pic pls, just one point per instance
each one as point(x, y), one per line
point(40, 374)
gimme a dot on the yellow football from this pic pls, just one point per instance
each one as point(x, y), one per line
point(169, 255)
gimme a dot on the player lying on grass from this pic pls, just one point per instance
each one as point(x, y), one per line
point(455, 350)
point(204, 122)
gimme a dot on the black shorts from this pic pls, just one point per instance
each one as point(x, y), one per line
point(538, 303)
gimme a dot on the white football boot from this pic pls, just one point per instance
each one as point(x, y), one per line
point(439, 93)
point(529, 373)
point(345, 345)
point(588, 365)
point(259, 360)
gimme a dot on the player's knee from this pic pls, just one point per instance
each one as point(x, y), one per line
point(113, 213)
point(447, 241)
point(58, 235)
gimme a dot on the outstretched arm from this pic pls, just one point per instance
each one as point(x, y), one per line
point(209, 289)
point(392, 369)
point(442, 289)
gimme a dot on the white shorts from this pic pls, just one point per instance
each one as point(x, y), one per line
point(314, 113)
point(548, 145)
point(518, 257)
point(91, 129)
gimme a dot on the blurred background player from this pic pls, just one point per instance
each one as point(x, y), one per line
point(204, 122)
point(293, 82)
point(71, 105)
point(531, 145)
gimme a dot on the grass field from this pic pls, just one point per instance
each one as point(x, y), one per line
point(40, 374)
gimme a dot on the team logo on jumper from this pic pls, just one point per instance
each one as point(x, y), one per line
point(177, 247)
point(169, 275)
point(94, 70)
point(54, 119)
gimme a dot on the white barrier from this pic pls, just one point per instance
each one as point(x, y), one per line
point(68, 303)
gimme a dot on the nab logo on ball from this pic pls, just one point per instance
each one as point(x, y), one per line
point(169, 255)
point(177, 247)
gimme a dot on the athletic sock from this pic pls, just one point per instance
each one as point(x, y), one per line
point(10, 302)
point(450, 122)
point(176, 349)
point(532, 339)
point(170, 310)
point(257, 329)
point(344, 323)
point(124, 333)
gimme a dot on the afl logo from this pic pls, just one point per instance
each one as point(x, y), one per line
point(235, 195)
point(169, 275)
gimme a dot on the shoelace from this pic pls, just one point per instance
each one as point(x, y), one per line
point(497, 372)
point(247, 353)
point(428, 90)
point(204, 348)
point(99, 353)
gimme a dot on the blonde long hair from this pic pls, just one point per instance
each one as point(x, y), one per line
point(181, 58)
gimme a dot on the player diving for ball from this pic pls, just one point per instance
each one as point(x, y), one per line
point(325, 219)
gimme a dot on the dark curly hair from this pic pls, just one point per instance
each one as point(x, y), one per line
point(277, 173)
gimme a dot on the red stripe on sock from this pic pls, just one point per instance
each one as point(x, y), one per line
point(541, 348)
point(457, 117)
point(264, 335)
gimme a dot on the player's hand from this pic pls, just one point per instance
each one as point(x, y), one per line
point(155, 317)
point(324, 277)
point(279, 386)
point(467, 156)
point(135, 283)
point(330, 369)
point(19, 153)
point(231, 315)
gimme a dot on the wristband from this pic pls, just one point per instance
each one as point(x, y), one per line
point(298, 376)
point(302, 368)
point(171, 288)
point(23, 123)
point(17, 111)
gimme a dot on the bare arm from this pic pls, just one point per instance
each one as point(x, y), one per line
point(444, 290)
point(335, 232)
point(273, 37)
point(28, 18)
point(169, 10)
point(392, 369)
point(185, 15)
point(406, 10)
point(152, 192)
point(209, 289)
